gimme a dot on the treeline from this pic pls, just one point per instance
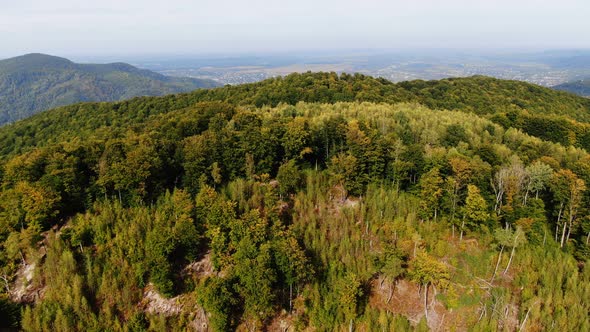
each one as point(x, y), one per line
point(555, 128)
point(306, 209)
point(479, 95)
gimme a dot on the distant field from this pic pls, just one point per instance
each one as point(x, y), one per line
point(546, 69)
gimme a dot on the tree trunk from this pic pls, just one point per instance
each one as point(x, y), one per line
point(22, 257)
point(497, 264)
point(524, 321)
point(290, 298)
point(435, 292)
point(462, 225)
point(569, 230)
point(426, 301)
point(563, 234)
point(510, 260)
point(558, 220)
point(390, 292)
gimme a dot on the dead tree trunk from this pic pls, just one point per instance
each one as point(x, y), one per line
point(497, 264)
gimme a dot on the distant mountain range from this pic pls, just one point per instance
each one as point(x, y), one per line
point(35, 82)
point(579, 87)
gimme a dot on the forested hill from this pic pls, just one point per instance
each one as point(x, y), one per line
point(580, 87)
point(37, 82)
point(552, 115)
point(477, 94)
point(209, 211)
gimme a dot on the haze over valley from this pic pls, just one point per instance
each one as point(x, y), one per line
point(546, 68)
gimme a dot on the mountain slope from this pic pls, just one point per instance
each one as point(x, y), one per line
point(202, 211)
point(580, 87)
point(313, 216)
point(37, 82)
point(528, 107)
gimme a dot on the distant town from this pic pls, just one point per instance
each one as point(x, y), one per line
point(546, 68)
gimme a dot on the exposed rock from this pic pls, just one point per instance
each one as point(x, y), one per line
point(201, 321)
point(154, 303)
point(24, 290)
point(202, 268)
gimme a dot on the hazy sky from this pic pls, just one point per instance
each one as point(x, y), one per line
point(65, 27)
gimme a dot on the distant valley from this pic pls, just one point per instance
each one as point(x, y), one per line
point(549, 68)
point(36, 82)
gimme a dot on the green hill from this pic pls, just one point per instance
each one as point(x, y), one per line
point(36, 82)
point(310, 202)
point(552, 115)
point(580, 87)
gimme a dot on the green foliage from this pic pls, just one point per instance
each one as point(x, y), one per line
point(218, 298)
point(476, 210)
point(308, 208)
point(37, 82)
point(425, 269)
point(430, 193)
point(455, 134)
point(289, 178)
point(350, 290)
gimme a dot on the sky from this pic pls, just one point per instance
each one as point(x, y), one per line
point(111, 27)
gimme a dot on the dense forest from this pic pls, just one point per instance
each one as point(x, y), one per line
point(36, 82)
point(310, 202)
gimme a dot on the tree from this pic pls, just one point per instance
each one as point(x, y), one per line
point(430, 193)
point(128, 166)
point(291, 262)
point(567, 191)
point(539, 175)
point(184, 230)
point(254, 270)
point(455, 133)
point(508, 182)
point(350, 291)
point(216, 173)
point(196, 156)
point(392, 269)
point(426, 270)
point(343, 168)
point(296, 138)
point(39, 204)
point(506, 237)
point(476, 208)
point(289, 178)
point(515, 240)
point(216, 296)
point(461, 174)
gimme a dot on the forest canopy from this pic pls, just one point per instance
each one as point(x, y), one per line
point(277, 205)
